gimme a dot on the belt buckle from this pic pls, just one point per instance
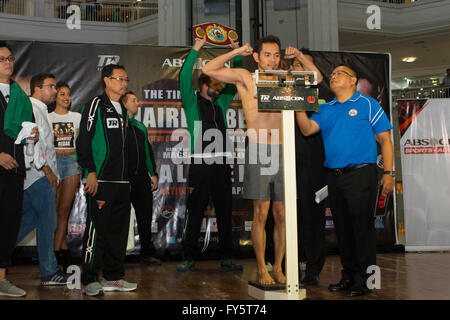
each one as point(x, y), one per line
point(338, 172)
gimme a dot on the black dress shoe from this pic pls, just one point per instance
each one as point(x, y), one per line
point(343, 285)
point(309, 281)
point(358, 291)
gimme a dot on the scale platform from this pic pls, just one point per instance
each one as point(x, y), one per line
point(272, 292)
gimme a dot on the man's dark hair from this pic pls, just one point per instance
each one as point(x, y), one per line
point(203, 79)
point(266, 39)
point(38, 80)
point(3, 44)
point(108, 70)
point(349, 67)
point(124, 97)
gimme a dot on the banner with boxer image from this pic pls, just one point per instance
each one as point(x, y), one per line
point(153, 74)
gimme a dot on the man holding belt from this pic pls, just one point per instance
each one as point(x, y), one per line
point(351, 124)
point(209, 173)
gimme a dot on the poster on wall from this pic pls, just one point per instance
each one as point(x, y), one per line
point(153, 74)
point(425, 154)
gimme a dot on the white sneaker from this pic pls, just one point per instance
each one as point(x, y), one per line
point(118, 285)
point(9, 290)
point(94, 289)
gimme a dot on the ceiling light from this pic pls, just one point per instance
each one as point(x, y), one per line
point(409, 59)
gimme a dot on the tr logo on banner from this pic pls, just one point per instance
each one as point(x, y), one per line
point(104, 60)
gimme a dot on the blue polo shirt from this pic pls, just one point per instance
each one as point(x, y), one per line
point(348, 130)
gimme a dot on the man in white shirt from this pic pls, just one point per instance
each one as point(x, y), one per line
point(39, 203)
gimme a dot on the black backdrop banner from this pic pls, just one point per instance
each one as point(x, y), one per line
point(153, 72)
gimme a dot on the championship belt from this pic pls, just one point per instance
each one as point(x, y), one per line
point(215, 33)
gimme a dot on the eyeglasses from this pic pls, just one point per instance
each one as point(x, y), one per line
point(9, 58)
point(51, 86)
point(340, 72)
point(120, 79)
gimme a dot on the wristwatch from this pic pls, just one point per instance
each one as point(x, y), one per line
point(391, 173)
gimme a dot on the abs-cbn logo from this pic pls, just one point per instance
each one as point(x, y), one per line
point(427, 142)
point(104, 60)
point(427, 146)
point(178, 63)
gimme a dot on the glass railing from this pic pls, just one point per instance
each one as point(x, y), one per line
point(396, 1)
point(421, 93)
point(120, 12)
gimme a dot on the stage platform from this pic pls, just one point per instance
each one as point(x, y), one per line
point(404, 276)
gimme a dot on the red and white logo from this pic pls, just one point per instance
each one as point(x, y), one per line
point(311, 99)
point(353, 112)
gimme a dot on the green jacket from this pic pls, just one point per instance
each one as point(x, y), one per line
point(190, 99)
point(102, 145)
point(140, 155)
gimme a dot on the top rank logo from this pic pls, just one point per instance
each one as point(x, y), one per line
point(104, 60)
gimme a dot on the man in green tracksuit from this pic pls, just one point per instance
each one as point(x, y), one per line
point(143, 178)
point(208, 172)
point(102, 152)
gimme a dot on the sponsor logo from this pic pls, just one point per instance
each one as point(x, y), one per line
point(265, 98)
point(427, 146)
point(288, 98)
point(311, 99)
point(109, 109)
point(427, 150)
point(427, 142)
point(104, 60)
point(178, 63)
point(353, 113)
point(112, 123)
point(100, 204)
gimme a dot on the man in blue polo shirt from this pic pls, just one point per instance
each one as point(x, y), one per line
point(351, 126)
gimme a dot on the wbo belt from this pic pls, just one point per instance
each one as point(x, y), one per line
point(341, 171)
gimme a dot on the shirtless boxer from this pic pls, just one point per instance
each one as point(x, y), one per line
point(264, 130)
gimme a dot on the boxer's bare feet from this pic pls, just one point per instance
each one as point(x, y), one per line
point(279, 276)
point(265, 279)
